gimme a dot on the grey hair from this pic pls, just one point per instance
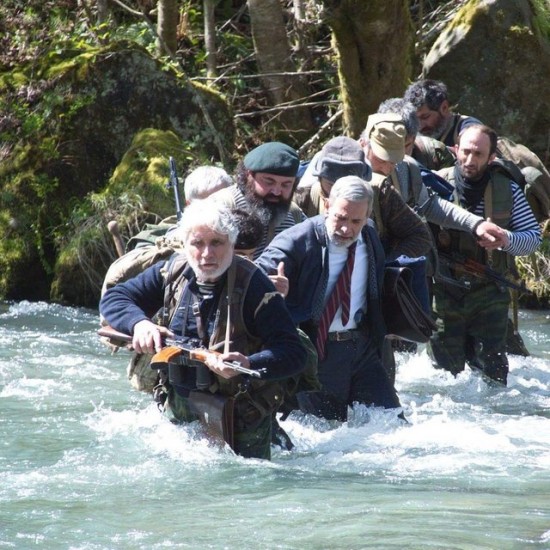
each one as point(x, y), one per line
point(202, 181)
point(352, 189)
point(406, 110)
point(207, 212)
point(431, 93)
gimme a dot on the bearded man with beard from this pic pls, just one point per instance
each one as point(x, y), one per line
point(265, 182)
point(435, 115)
point(472, 320)
point(343, 319)
point(213, 299)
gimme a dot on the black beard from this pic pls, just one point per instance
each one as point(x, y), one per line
point(265, 210)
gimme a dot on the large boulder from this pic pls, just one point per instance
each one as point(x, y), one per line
point(66, 121)
point(136, 195)
point(494, 56)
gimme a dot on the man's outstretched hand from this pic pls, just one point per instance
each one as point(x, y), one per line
point(490, 236)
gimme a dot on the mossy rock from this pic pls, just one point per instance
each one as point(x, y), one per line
point(136, 193)
point(494, 57)
point(83, 108)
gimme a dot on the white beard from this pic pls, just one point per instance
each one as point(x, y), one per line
point(210, 276)
point(341, 242)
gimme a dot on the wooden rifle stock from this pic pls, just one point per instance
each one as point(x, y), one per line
point(468, 266)
point(116, 338)
point(174, 349)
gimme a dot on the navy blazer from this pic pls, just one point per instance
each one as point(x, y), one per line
point(302, 249)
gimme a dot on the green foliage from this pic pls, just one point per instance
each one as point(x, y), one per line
point(541, 21)
point(138, 32)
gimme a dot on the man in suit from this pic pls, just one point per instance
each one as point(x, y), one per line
point(348, 336)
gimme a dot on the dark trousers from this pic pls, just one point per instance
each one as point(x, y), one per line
point(352, 371)
point(251, 443)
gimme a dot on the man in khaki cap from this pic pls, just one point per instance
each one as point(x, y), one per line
point(383, 141)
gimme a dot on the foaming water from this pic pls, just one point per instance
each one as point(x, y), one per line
point(88, 463)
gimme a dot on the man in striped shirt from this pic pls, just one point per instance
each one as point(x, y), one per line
point(264, 183)
point(472, 319)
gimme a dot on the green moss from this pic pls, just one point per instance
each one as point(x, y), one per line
point(13, 250)
point(467, 15)
point(61, 61)
point(11, 80)
point(144, 169)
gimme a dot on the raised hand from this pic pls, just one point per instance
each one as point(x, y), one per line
point(280, 281)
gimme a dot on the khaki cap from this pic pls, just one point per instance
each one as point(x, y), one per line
point(386, 134)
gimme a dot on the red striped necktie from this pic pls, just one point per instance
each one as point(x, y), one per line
point(341, 295)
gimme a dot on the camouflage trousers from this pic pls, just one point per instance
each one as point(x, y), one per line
point(471, 328)
point(250, 443)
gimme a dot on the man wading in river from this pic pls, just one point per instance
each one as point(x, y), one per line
point(253, 327)
point(472, 320)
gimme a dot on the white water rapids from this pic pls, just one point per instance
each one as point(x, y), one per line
point(89, 463)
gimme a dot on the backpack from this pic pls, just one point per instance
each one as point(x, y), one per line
point(141, 376)
point(431, 153)
point(149, 234)
point(528, 171)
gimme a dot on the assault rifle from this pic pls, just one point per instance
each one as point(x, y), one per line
point(173, 184)
point(466, 266)
point(177, 351)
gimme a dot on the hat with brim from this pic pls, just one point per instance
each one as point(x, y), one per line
point(341, 157)
point(273, 157)
point(386, 134)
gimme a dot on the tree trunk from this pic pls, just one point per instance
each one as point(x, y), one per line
point(167, 25)
point(273, 55)
point(373, 42)
point(210, 38)
point(102, 11)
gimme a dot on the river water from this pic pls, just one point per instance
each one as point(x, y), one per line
point(88, 463)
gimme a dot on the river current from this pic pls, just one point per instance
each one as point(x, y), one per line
point(88, 463)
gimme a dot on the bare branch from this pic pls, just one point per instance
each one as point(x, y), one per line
point(288, 107)
point(198, 97)
point(315, 138)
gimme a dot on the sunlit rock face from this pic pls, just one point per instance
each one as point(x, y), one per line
point(494, 57)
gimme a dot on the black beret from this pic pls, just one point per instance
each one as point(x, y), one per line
point(273, 157)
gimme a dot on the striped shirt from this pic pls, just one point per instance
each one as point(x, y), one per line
point(288, 221)
point(523, 230)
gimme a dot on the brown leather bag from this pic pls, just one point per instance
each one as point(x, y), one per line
point(403, 313)
point(215, 412)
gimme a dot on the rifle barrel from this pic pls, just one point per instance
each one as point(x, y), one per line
point(174, 183)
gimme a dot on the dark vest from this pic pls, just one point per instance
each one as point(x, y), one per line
point(498, 201)
point(230, 302)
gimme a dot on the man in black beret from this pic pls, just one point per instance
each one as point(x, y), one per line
point(265, 181)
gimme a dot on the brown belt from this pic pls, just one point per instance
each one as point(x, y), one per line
point(343, 335)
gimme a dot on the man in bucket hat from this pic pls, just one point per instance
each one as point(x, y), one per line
point(340, 157)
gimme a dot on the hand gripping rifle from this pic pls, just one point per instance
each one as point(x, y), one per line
point(173, 183)
point(466, 266)
point(179, 352)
